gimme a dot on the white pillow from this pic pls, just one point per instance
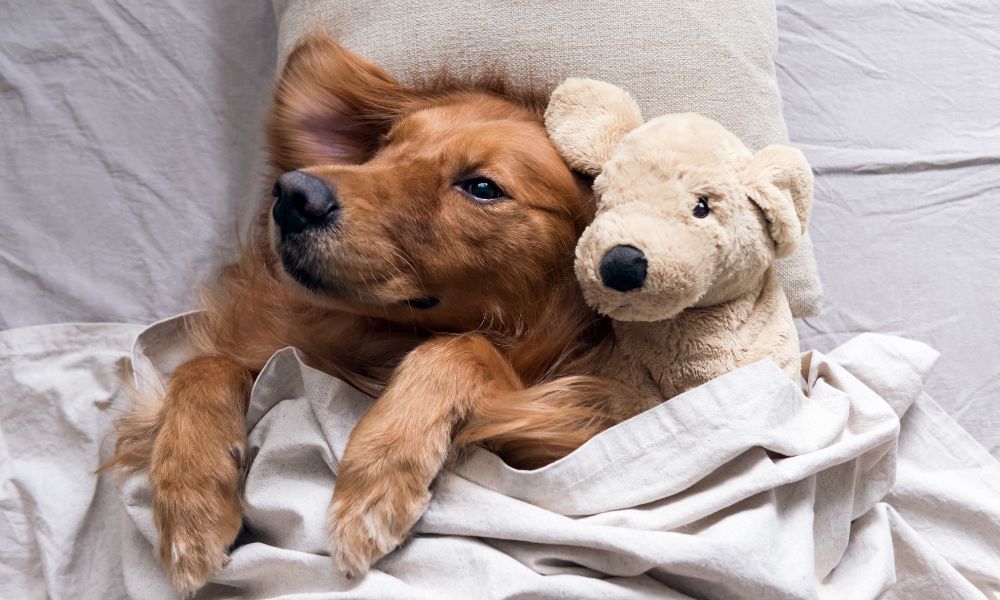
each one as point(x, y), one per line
point(711, 57)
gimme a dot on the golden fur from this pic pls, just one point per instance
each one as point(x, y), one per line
point(508, 316)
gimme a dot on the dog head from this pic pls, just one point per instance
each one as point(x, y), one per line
point(687, 215)
point(448, 206)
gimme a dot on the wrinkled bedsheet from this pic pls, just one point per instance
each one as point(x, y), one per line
point(131, 147)
point(131, 144)
point(897, 106)
point(741, 488)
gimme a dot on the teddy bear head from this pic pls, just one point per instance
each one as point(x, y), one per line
point(687, 215)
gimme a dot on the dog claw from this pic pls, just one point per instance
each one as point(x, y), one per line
point(190, 563)
point(365, 532)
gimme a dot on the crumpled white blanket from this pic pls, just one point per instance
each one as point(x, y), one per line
point(742, 488)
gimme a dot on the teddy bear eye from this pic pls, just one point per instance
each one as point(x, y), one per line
point(701, 209)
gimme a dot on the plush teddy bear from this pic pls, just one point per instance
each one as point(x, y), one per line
point(680, 255)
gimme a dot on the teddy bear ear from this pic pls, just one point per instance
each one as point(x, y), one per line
point(586, 119)
point(780, 181)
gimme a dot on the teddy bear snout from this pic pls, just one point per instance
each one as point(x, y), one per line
point(623, 268)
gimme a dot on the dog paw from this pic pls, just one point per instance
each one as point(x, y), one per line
point(365, 527)
point(194, 538)
point(197, 512)
point(190, 564)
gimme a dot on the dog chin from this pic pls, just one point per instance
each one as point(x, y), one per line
point(324, 292)
point(301, 274)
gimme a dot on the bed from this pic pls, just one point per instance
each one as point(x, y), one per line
point(131, 143)
point(155, 107)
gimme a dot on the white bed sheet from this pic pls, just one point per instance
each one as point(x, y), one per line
point(131, 146)
point(897, 106)
point(864, 489)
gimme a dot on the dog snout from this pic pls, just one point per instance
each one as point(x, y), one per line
point(623, 268)
point(303, 201)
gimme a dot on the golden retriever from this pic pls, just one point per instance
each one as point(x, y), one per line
point(419, 245)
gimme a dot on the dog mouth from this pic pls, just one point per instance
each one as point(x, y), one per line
point(296, 263)
point(422, 303)
point(301, 273)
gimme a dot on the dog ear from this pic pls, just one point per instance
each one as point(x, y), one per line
point(586, 119)
point(330, 106)
point(779, 180)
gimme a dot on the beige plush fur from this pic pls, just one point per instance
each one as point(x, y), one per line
point(709, 301)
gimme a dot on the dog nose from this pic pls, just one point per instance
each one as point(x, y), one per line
point(623, 268)
point(303, 201)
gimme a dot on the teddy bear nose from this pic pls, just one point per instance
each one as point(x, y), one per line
point(623, 268)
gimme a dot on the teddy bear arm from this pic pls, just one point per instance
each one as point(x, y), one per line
point(770, 331)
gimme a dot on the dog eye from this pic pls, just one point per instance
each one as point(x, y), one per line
point(701, 209)
point(482, 189)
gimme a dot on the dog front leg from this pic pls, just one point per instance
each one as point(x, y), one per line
point(402, 442)
point(195, 468)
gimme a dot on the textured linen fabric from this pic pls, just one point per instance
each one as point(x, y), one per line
point(60, 525)
point(715, 57)
point(131, 146)
point(741, 488)
point(897, 107)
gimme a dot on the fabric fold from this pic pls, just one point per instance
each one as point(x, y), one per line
point(858, 486)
